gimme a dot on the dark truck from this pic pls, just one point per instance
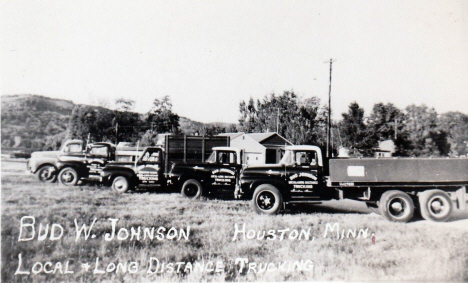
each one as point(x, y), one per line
point(192, 164)
point(85, 165)
point(74, 161)
point(393, 187)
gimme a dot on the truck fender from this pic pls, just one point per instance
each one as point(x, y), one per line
point(279, 184)
point(461, 198)
point(80, 167)
point(127, 173)
point(44, 165)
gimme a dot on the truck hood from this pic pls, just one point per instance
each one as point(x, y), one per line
point(263, 169)
point(120, 164)
point(45, 154)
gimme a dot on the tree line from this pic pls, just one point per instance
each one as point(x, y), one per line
point(415, 130)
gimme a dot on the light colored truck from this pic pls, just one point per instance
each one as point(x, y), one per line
point(44, 163)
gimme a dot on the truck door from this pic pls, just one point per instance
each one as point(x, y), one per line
point(224, 174)
point(302, 175)
point(97, 159)
point(148, 169)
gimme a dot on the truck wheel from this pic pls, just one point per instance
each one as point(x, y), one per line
point(46, 174)
point(68, 176)
point(120, 184)
point(436, 205)
point(191, 189)
point(267, 199)
point(396, 206)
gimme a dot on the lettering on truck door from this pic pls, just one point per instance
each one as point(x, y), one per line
point(149, 170)
point(97, 159)
point(225, 173)
point(301, 176)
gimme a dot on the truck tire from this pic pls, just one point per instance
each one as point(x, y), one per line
point(435, 205)
point(191, 189)
point(46, 174)
point(120, 184)
point(267, 199)
point(396, 206)
point(68, 176)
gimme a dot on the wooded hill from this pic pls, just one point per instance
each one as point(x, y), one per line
point(42, 123)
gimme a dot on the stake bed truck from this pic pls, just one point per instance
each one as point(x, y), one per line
point(194, 165)
point(392, 187)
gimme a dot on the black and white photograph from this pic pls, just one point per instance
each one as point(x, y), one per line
point(234, 141)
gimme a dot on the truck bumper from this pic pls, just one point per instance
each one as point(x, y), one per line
point(237, 192)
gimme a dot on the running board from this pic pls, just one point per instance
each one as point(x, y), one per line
point(305, 201)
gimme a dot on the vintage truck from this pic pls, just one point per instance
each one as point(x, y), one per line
point(87, 166)
point(393, 187)
point(44, 163)
point(73, 162)
point(194, 165)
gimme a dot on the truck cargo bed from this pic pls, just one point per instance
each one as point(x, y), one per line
point(394, 171)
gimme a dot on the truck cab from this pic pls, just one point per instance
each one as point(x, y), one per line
point(217, 175)
point(297, 178)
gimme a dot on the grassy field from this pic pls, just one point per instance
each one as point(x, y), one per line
point(413, 251)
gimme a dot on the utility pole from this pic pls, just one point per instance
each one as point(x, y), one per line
point(116, 133)
point(277, 120)
point(396, 128)
point(329, 154)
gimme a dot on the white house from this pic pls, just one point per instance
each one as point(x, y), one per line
point(259, 148)
point(386, 149)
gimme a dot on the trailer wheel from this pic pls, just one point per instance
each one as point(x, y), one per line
point(68, 176)
point(436, 205)
point(46, 174)
point(191, 189)
point(267, 199)
point(120, 184)
point(396, 206)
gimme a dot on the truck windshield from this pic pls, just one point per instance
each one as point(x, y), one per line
point(288, 158)
point(98, 150)
point(152, 157)
point(72, 148)
point(212, 158)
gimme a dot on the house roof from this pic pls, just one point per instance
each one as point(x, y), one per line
point(259, 137)
point(231, 135)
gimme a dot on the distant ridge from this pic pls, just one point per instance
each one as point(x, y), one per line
point(30, 121)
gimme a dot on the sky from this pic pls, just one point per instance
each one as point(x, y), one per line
point(210, 55)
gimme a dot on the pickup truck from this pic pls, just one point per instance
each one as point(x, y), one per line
point(44, 163)
point(86, 165)
point(180, 167)
point(393, 187)
point(72, 162)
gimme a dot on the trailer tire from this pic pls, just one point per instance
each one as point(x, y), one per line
point(267, 199)
point(191, 189)
point(46, 174)
point(435, 205)
point(396, 206)
point(68, 176)
point(120, 184)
